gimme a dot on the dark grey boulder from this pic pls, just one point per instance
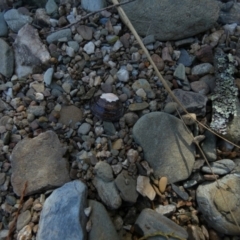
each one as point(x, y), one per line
point(63, 215)
point(156, 17)
point(167, 145)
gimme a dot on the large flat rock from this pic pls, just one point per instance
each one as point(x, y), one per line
point(216, 202)
point(167, 145)
point(40, 162)
point(171, 19)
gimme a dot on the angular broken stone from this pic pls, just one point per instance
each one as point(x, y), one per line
point(30, 53)
point(39, 162)
point(145, 188)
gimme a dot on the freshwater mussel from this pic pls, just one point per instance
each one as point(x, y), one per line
point(107, 107)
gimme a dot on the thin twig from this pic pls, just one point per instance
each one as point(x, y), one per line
point(13, 224)
point(90, 14)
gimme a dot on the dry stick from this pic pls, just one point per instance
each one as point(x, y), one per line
point(12, 226)
point(130, 26)
point(215, 177)
point(92, 13)
point(132, 29)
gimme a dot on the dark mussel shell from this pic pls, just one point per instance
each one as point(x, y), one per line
point(107, 107)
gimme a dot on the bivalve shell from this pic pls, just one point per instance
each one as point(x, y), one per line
point(107, 107)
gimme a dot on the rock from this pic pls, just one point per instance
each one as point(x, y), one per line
point(16, 20)
point(209, 146)
point(102, 227)
point(108, 193)
point(63, 213)
point(166, 210)
point(6, 59)
point(200, 87)
point(70, 115)
point(220, 167)
point(182, 194)
point(213, 207)
point(209, 80)
point(64, 33)
point(51, 7)
point(104, 171)
point(138, 106)
point(23, 219)
point(150, 222)
point(3, 234)
point(144, 84)
point(89, 48)
point(127, 187)
point(84, 129)
point(93, 6)
point(131, 118)
point(47, 77)
point(123, 75)
point(36, 110)
point(38, 161)
point(193, 102)
point(202, 69)
point(3, 26)
point(158, 62)
point(146, 18)
point(205, 54)
point(145, 188)
point(231, 16)
point(185, 58)
point(167, 146)
point(85, 31)
point(25, 233)
point(170, 107)
point(162, 184)
point(30, 53)
point(180, 72)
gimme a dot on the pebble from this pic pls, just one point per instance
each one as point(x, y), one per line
point(180, 193)
point(47, 77)
point(89, 48)
point(138, 106)
point(209, 146)
point(144, 85)
point(162, 184)
point(127, 187)
point(180, 72)
point(220, 167)
point(16, 20)
point(84, 129)
point(55, 36)
point(185, 58)
point(101, 224)
point(93, 6)
point(200, 87)
point(166, 210)
point(145, 188)
point(25, 233)
point(104, 171)
point(23, 219)
point(123, 75)
point(51, 7)
point(150, 222)
point(6, 59)
point(3, 26)
point(202, 69)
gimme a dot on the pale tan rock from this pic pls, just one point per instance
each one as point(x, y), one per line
point(162, 184)
point(145, 188)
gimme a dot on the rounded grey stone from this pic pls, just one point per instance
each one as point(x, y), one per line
point(84, 129)
point(166, 144)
